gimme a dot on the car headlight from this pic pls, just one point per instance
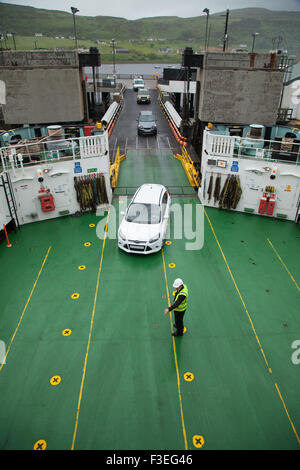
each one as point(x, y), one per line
point(121, 235)
point(154, 239)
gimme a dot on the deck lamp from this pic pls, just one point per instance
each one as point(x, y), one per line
point(74, 10)
point(206, 10)
point(254, 36)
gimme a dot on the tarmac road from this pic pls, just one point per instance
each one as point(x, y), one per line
point(125, 135)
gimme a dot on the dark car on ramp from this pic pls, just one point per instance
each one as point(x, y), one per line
point(146, 123)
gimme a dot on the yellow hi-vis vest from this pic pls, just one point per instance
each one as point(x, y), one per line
point(183, 304)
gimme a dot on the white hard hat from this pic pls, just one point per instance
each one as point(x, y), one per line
point(178, 282)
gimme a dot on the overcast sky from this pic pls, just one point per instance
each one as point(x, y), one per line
point(133, 9)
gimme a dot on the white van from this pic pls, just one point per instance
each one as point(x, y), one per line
point(138, 83)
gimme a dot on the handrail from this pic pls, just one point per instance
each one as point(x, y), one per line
point(25, 154)
point(179, 138)
point(189, 168)
point(221, 145)
point(114, 118)
point(115, 168)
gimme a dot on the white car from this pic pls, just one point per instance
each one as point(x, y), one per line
point(144, 225)
point(138, 83)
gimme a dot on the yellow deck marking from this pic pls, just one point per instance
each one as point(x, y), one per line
point(24, 310)
point(251, 323)
point(175, 356)
point(67, 332)
point(55, 380)
point(40, 445)
point(90, 334)
point(287, 413)
point(188, 376)
point(198, 441)
point(283, 264)
point(237, 289)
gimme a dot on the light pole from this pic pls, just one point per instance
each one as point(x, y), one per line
point(74, 10)
point(254, 36)
point(114, 65)
point(225, 40)
point(206, 10)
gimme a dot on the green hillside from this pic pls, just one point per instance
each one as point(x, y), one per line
point(274, 27)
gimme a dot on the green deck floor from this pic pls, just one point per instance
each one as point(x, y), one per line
point(152, 166)
point(119, 366)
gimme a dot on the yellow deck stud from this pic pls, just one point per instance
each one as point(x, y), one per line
point(168, 242)
point(66, 332)
point(55, 380)
point(40, 445)
point(87, 244)
point(198, 441)
point(75, 295)
point(92, 225)
point(172, 265)
point(188, 376)
point(82, 267)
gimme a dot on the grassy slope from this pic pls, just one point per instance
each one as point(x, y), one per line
point(178, 32)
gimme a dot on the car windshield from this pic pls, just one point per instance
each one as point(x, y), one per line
point(143, 213)
point(146, 118)
point(143, 92)
point(138, 82)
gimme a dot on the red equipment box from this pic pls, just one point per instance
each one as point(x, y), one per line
point(47, 203)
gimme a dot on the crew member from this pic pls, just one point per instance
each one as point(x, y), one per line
point(179, 305)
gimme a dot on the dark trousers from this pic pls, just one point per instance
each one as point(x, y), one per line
point(179, 321)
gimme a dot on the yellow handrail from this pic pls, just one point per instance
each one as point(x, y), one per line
point(115, 168)
point(189, 168)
